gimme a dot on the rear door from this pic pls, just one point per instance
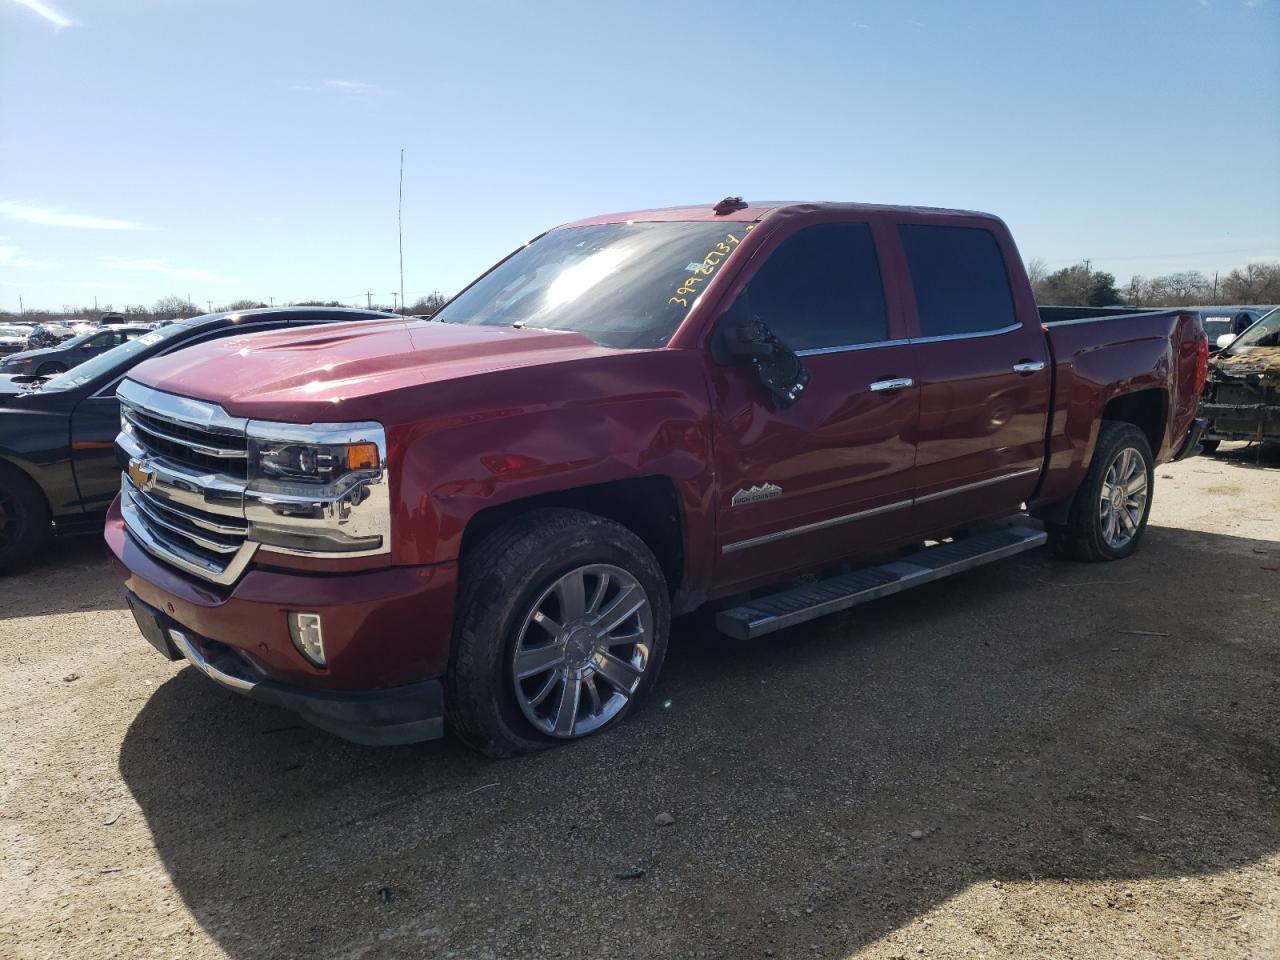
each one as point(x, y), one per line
point(828, 476)
point(984, 377)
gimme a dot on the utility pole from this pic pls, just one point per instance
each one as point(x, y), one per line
point(368, 299)
point(210, 303)
point(273, 300)
point(394, 307)
point(1215, 285)
point(95, 296)
point(190, 306)
point(21, 308)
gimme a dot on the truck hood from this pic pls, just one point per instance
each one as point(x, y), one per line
point(307, 370)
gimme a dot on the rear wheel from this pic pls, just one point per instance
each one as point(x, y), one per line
point(24, 519)
point(562, 627)
point(1109, 513)
point(1209, 446)
point(50, 369)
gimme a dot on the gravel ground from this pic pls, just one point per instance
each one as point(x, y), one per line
point(1035, 759)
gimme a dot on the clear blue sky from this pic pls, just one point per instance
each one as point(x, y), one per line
point(250, 149)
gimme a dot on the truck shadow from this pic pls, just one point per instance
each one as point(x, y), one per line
point(1033, 721)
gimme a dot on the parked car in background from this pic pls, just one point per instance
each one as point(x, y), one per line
point(1242, 397)
point(1227, 322)
point(47, 361)
point(48, 335)
point(491, 517)
point(13, 339)
point(57, 469)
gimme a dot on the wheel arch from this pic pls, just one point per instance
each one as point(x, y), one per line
point(647, 506)
point(1148, 410)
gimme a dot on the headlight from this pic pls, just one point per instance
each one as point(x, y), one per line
point(319, 489)
point(312, 462)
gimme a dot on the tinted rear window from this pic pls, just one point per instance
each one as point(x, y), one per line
point(959, 279)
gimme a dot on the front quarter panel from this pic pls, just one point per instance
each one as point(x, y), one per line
point(480, 442)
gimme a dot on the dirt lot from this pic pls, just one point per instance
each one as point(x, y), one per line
point(1089, 754)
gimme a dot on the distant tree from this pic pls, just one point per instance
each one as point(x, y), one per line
point(429, 304)
point(1037, 270)
point(173, 306)
point(242, 305)
point(1078, 286)
point(1257, 283)
point(1137, 292)
point(317, 303)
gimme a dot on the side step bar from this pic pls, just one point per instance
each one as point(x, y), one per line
point(812, 600)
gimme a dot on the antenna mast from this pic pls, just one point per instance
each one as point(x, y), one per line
point(400, 226)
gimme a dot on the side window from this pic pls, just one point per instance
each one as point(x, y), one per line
point(959, 279)
point(101, 342)
point(822, 288)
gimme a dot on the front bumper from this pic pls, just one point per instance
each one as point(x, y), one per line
point(387, 635)
point(405, 714)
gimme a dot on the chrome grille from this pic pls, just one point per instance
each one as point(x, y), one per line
point(183, 497)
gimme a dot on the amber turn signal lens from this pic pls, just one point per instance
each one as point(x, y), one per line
point(362, 456)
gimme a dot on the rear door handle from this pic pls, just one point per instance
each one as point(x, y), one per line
point(1027, 367)
point(887, 386)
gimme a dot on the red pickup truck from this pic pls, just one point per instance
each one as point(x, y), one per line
point(487, 520)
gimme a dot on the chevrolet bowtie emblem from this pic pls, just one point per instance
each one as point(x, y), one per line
point(141, 474)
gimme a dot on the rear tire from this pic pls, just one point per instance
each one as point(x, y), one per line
point(51, 369)
point(24, 519)
point(1110, 509)
point(1209, 446)
point(536, 658)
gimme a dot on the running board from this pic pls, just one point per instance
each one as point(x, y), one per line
point(812, 600)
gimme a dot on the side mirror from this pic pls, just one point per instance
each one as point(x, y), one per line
point(1226, 340)
point(777, 365)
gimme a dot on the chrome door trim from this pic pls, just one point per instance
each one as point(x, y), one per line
point(850, 347)
point(810, 527)
point(977, 485)
point(874, 511)
point(968, 336)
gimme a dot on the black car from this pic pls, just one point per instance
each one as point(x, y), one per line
point(70, 353)
point(1220, 321)
point(58, 472)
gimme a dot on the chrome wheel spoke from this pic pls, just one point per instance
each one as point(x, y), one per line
point(597, 595)
point(1123, 497)
point(571, 590)
point(546, 623)
point(624, 605)
point(1126, 521)
point(622, 675)
point(535, 660)
point(594, 693)
point(566, 717)
point(545, 690)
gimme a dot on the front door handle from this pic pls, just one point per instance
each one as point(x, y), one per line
point(887, 386)
point(1027, 367)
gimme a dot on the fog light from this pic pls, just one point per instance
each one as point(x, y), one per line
point(307, 636)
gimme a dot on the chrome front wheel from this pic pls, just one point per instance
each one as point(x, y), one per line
point(1122, 499)
point(582, 650)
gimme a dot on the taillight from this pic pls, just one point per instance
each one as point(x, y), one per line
point(1202, 362)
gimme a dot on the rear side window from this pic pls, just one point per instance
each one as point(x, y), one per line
point(822, 288)
point(959, 279)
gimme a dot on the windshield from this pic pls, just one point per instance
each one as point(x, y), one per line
point(624, 285)
point(1264, 333)
point(113, 361)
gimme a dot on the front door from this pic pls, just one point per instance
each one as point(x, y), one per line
point(828, 476)
point(984, 377)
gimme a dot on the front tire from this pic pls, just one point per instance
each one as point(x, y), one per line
point(1208, 447)
point(51, 369)
point(1109, 513)
point(562, 626)
point(24, 519)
